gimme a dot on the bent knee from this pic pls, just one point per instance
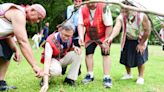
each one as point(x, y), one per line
point(55, 68)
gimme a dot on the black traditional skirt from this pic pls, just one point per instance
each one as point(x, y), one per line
point(5, 51)
point(130, 57)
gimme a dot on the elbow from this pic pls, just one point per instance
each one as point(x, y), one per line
point(22, 42)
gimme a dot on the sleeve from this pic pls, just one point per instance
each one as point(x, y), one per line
point(48, 50)
point(80, 19)
point(107, 16)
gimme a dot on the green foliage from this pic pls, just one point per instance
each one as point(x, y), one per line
point(55, 15)
point(156, 24)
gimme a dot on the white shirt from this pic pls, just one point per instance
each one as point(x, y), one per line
point(36, 37)
point(6, 27)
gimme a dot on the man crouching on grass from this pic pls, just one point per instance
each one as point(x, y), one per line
point(58, 53)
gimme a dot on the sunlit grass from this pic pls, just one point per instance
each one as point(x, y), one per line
point(22, 75)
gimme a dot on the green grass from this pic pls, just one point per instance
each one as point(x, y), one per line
point(22, 75)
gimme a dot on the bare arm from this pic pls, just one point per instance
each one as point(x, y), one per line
point(81, 33)
point(18, 20)
point(116, 29)
point(115, 32)
point(48, 56)
point(147, 29)
point(47, 62)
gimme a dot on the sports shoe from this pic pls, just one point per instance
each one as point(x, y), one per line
point(3, 86)
point(69, 82)
point(127, 76)
point(107, 82)
point(87, 79)
point(140, 80)
point(65, 68)
point(42, 82)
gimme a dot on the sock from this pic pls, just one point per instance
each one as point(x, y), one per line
point(106, 76)
point(91, 73)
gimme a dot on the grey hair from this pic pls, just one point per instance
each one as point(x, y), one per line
point(68, 26)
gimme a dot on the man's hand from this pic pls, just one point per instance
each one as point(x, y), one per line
point(44, 88)
point(17, 57)
point(38, 71)
point(77, 50)
point(140, 48)
point(105, 48)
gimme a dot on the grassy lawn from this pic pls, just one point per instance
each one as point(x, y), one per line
point(22, 75)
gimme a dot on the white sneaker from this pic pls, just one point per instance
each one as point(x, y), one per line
point(140, 80)
point(127, 76)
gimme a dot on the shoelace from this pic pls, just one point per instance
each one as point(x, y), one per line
point(88, 77)
point(107, 80)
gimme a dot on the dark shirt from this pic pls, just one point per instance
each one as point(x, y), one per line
point(45, 32)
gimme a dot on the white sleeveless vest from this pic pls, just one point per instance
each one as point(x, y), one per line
point(6, 27)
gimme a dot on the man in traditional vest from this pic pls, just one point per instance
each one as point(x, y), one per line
point(59, 52)
point(136, 30)
point(74, 21)
point(162, 34)
point(97, 20)
point(13, 23)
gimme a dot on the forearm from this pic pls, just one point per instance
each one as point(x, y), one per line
point(144, 38)
point(81, 31)
point(146, 28)
point(114, 33)
point(46, 70)
point(108, 31)
point(27, 52)
point(116, 29)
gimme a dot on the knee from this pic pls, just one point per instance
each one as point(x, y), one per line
point(55, 69)
point(90, 56)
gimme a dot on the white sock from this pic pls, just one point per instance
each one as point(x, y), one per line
point(106, 76)
point(91, 73)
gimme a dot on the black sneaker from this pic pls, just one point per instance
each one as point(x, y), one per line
point(42, 82)
point(107, 82)
point(87, 79)
point(69, 82)
point(3, 86)
point(79, 73)
point(64, 70)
